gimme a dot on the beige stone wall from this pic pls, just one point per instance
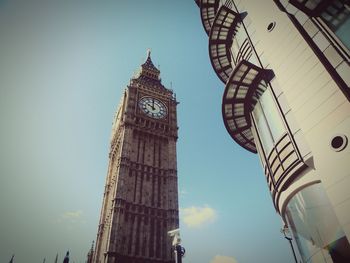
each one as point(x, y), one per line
point(314, 106)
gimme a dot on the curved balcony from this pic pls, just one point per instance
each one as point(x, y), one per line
point(208, 9)
point(220, 40)
point(245, 85)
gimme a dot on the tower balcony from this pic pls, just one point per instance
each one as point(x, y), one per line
point(223, 30)
point(208, 10)
point(242, 90)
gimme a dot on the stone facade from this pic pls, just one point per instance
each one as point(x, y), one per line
point(140, 202)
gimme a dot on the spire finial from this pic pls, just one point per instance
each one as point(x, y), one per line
point(148, 52)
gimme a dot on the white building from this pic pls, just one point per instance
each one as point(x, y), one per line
point(285, 68)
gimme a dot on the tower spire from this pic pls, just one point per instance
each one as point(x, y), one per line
point(148, 69)
point(145, 101)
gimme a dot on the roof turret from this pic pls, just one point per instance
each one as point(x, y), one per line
point(148, 69)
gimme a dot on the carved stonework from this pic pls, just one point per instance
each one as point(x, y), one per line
point(140, 203)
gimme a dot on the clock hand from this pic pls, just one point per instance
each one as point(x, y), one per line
point(150, 106)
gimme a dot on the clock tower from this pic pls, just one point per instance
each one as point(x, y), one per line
point(140, 201)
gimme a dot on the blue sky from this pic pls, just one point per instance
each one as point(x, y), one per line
point(63, 68)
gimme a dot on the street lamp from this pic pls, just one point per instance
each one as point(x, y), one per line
point(179, 251)
point(286, 233)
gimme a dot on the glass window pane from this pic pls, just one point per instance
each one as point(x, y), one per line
point(319, 236)
point(228, 110)
point(343, 32)
point(337, 18)
point(312, 4)
point(262, 128)
point(272, 115)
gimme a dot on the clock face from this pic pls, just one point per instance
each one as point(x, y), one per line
point(152, 107)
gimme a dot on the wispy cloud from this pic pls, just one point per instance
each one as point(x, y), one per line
point(71, 217)
point(195, 216)
point(72, 214)
point(183, 192)
point(223, 259)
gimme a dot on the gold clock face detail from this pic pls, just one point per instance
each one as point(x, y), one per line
point(153, 108)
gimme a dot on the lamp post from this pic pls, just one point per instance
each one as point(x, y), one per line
point(286, 233)
point(179, 251)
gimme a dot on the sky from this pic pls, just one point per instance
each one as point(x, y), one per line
point(63, 68)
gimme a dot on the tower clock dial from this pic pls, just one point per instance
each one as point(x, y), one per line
point(153, 108)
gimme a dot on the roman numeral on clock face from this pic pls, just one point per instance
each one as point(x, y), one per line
point(153, 107)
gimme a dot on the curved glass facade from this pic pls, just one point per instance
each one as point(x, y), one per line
point(315, 227)
point(268, 121)
point(284, 124)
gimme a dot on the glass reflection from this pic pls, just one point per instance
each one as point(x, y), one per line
point(272, 115)
point(268, 121)
point(262, 128)
point(315, 227)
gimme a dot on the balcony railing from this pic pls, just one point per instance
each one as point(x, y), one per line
point(208, 9)
point(220, 41)
point(245, 85)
